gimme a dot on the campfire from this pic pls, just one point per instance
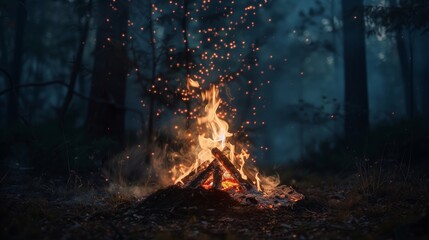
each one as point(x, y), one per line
point(221, 165)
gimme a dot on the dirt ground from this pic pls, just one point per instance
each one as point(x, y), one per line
point(34, 208)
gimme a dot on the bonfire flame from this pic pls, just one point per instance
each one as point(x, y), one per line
point(214, 138)
point(216, 135)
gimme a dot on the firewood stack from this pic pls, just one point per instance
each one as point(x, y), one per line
point(216, 169)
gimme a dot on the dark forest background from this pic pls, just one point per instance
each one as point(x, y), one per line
point(97, 106)
point(322, 84)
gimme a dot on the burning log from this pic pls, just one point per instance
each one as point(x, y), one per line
point(193, 174)
point(217, 176)
point(202, 176)
point(231, 169)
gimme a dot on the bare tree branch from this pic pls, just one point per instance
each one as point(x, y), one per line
point(40, 84)
point(7, 74)
point(80, 95)
point(76, 64)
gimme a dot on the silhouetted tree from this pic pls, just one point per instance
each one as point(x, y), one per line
point(356, 89)
point(188, 56)
point(405, 53)
point(77, 64)
point(424, 74)
point(408, 20)
point(151, 116)
point(110, 71)
point(3, 48)
point(13, 104)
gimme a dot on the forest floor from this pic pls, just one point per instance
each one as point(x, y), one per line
point(339, 208)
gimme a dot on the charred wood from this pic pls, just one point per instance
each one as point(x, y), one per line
point(231, 169)
point(202, 176)
point(217, 176)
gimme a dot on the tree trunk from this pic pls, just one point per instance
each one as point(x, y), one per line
point(424, 79)
point(409, 83)
point(356, 89)
point(405, 62)
point(187, 59)
point(110, 71)
point(152, 82)
point(405, 69)
point(13, 104)
point(3, 48)
point(76, 66)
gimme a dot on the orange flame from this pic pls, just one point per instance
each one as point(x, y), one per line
point(191, 83)
point(215, 134)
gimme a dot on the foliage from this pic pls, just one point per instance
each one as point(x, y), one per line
point(318, 21)
point(410, 14)
point(328, 110)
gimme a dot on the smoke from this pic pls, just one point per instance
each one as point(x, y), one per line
point(130, 175)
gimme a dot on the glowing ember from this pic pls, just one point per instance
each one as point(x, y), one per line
point(227, 184)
